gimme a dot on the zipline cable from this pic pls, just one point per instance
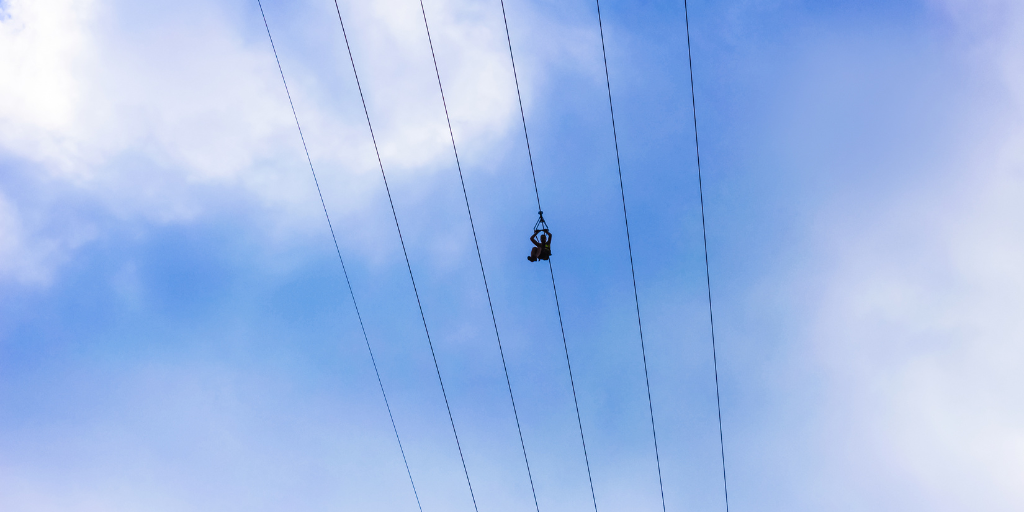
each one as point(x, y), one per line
point(479, 257)
point(561, 326)
point(558, 308)
point(707, 267)
point(629, 245)
point(522, 112)
point(337, 248)
point(408, 265)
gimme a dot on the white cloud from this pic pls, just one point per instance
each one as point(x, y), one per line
point(28, 254)
point(143, 111)
point(920, 325)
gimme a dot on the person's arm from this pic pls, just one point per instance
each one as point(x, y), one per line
point(533, 239)
point(550, 237)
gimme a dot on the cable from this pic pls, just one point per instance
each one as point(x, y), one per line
point(340, 259)
point(551, 269)
point(408, 265)
point(586, 458)
point(522, 113)
point(479, 257)
point(707, 267)
point(629, 245)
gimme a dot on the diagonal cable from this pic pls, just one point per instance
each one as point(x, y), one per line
point(340, 259)
point(479, 257)
point(558, 307)
point(408, 265)
point(522, 112)
point(707, 267)
point(576, 402)
point(629, 245)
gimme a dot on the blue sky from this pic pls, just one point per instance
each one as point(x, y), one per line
point(176, 333)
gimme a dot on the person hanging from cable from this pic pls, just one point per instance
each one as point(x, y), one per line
point(542, 247)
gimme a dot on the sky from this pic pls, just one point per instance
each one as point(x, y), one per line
point(176, 332)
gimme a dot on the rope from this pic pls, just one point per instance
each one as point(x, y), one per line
point(340, 259)
point(707, 267)
point(629, 245)
point(480, 260)
point(551, 269)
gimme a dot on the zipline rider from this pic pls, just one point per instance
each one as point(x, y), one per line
point(542, 247)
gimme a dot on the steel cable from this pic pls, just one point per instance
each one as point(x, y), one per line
point(340, 259)
point(480, 260)
point(707, 267)
point(629, 245)
point(558, 307)
point(405, 253)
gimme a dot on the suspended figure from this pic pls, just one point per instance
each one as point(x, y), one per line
point(542, 247)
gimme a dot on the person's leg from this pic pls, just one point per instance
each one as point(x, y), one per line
point(534, 253)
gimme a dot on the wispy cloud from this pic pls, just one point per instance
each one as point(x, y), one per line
point(141, 111)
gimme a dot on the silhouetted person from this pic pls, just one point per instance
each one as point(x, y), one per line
point(542, 249)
